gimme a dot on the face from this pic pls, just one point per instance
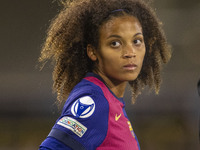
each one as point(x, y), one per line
point(121, 49)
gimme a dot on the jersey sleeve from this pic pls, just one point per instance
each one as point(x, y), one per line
point(83, 123)
point(51, 143)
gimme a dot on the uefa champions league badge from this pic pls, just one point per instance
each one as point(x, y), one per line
point(83, 107)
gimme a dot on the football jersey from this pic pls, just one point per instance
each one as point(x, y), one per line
point(92, 118)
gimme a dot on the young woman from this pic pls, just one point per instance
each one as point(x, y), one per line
point(98, 46)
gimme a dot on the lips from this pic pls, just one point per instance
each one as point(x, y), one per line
point(130, 67)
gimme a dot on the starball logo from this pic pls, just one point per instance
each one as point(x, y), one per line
point(83, 107)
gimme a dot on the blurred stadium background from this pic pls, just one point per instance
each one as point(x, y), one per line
point(169, 121)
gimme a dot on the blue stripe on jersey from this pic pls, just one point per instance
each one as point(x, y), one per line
point(51, 143)
point(66, 139)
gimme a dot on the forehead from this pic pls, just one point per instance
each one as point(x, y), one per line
point(121, 24)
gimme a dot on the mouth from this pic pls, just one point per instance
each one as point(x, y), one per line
point(130, 67)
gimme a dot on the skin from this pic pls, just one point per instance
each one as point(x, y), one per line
point(120, 53)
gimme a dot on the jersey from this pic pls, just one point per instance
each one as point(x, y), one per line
point(92, 118)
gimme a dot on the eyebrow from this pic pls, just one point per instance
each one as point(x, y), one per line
point(117, 36)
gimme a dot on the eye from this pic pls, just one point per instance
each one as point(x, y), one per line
point(138, 42)
point(115, 44)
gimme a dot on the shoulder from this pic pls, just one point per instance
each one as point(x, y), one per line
point(86, 86)
point(85, 115)
point(84, 118)
point(87, 93)
point(86, 96)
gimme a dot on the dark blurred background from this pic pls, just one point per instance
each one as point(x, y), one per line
point(168, 121)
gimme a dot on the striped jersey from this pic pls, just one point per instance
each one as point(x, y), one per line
point(92, 118)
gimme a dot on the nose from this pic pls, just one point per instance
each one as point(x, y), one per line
point(129, 52)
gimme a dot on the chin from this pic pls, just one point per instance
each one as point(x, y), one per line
point(125, 77)
point(131, 77)
point(128, 78)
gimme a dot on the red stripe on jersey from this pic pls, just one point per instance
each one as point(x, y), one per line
point(118, 135)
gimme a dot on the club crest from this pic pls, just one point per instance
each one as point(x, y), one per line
point(83, 107)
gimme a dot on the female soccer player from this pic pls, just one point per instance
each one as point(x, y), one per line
point(98, 46)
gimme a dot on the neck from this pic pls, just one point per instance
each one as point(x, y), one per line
point(117, 87)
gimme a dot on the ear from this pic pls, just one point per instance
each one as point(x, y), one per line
point(91, 52)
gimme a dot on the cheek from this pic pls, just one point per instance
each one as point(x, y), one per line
point(106, 57)
point(109, 62)
point(143, 54)
point(142, 57)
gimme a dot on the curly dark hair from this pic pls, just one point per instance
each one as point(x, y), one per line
point(77, 25)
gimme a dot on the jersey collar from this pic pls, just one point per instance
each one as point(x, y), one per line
point(89, 74)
